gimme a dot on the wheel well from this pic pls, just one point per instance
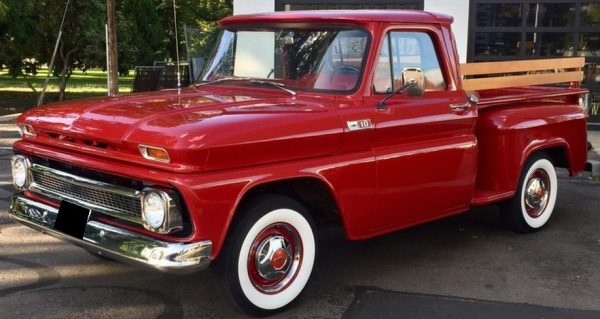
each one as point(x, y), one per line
point(558, 156)
point(312, 193)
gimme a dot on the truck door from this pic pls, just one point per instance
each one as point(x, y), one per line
point(425, 146)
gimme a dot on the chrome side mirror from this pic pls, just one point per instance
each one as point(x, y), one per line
point(414, 86)
point(416, 81)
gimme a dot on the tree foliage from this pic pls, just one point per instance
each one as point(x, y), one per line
point(82, 42)
point(193, 13)
point(140, 34)
point(28, 31)
point(3, 11)
point(19, 42)
point(28, 43)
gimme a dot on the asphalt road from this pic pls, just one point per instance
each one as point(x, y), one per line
point(466, 266)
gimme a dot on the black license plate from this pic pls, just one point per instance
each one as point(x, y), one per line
point(71, 219)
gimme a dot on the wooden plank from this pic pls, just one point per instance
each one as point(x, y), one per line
point(481, 68)
point(521, 80)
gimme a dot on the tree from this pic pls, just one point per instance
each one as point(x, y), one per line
point(3, 11)
point(3, 14)
point(140, 34)
point(82, 42)
point(203, 14)
point(18, 40)
point(28, 31)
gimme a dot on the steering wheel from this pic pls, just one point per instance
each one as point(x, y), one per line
point(343, 69)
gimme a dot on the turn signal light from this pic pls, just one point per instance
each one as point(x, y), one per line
point(27, 130)
point(584, 101)
point(154, 153)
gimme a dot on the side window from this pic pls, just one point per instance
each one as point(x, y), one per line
point(402, 50)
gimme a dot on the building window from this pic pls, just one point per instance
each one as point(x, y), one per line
point(532, 28)
point(497, 43)
point(590, 14)
point(550, 14)
point(498, 15)
point(549, 44)
point(529, 29)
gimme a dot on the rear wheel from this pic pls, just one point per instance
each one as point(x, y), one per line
point(269, 255)
point(533, 203)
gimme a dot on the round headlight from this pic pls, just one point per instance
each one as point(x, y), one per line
point(155, 207)
point(20, 171)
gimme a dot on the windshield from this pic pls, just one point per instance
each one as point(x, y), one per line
point(314, 59)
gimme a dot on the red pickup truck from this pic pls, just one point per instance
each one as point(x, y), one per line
point(302, 120)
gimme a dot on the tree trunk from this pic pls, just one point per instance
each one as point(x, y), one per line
point(65, 73)
point(113, 60)
point(29, 83)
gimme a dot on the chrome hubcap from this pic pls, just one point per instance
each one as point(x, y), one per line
point(273, 258)
point(537, 193)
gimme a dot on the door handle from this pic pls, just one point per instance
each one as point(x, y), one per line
point(459, 107)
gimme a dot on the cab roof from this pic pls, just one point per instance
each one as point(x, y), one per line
point(341, 16)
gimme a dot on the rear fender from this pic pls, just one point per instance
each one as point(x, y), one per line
point(509, 135)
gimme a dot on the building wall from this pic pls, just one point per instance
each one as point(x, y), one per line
point(459, 9)
point(253, 6)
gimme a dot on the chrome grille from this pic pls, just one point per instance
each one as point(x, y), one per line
point(88, 193)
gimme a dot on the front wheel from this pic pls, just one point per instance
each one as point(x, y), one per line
point(534, 200)
point(268, 257)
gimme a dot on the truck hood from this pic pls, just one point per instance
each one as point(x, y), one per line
point(202, 129)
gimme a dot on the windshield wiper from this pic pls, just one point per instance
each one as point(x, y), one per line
point(259, 82)
point(274, 84)
point(230, 78)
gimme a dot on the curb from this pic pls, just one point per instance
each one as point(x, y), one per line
point(594, 139)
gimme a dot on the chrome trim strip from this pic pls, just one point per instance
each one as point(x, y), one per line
point(85, 183)
point(117, 243)
point(59, 197)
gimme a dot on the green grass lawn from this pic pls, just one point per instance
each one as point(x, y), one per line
point(16, 96)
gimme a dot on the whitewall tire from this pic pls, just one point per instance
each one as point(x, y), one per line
point(535, 197)
point(269, 255)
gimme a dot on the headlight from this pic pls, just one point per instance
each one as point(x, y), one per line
point(20, 171)
point(159, 212)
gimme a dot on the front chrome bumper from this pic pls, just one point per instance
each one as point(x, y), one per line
point(116, 243)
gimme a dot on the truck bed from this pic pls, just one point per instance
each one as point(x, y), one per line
point(528, 80)
point(493, 97)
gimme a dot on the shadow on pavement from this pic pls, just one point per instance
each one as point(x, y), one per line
point(375, 303)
